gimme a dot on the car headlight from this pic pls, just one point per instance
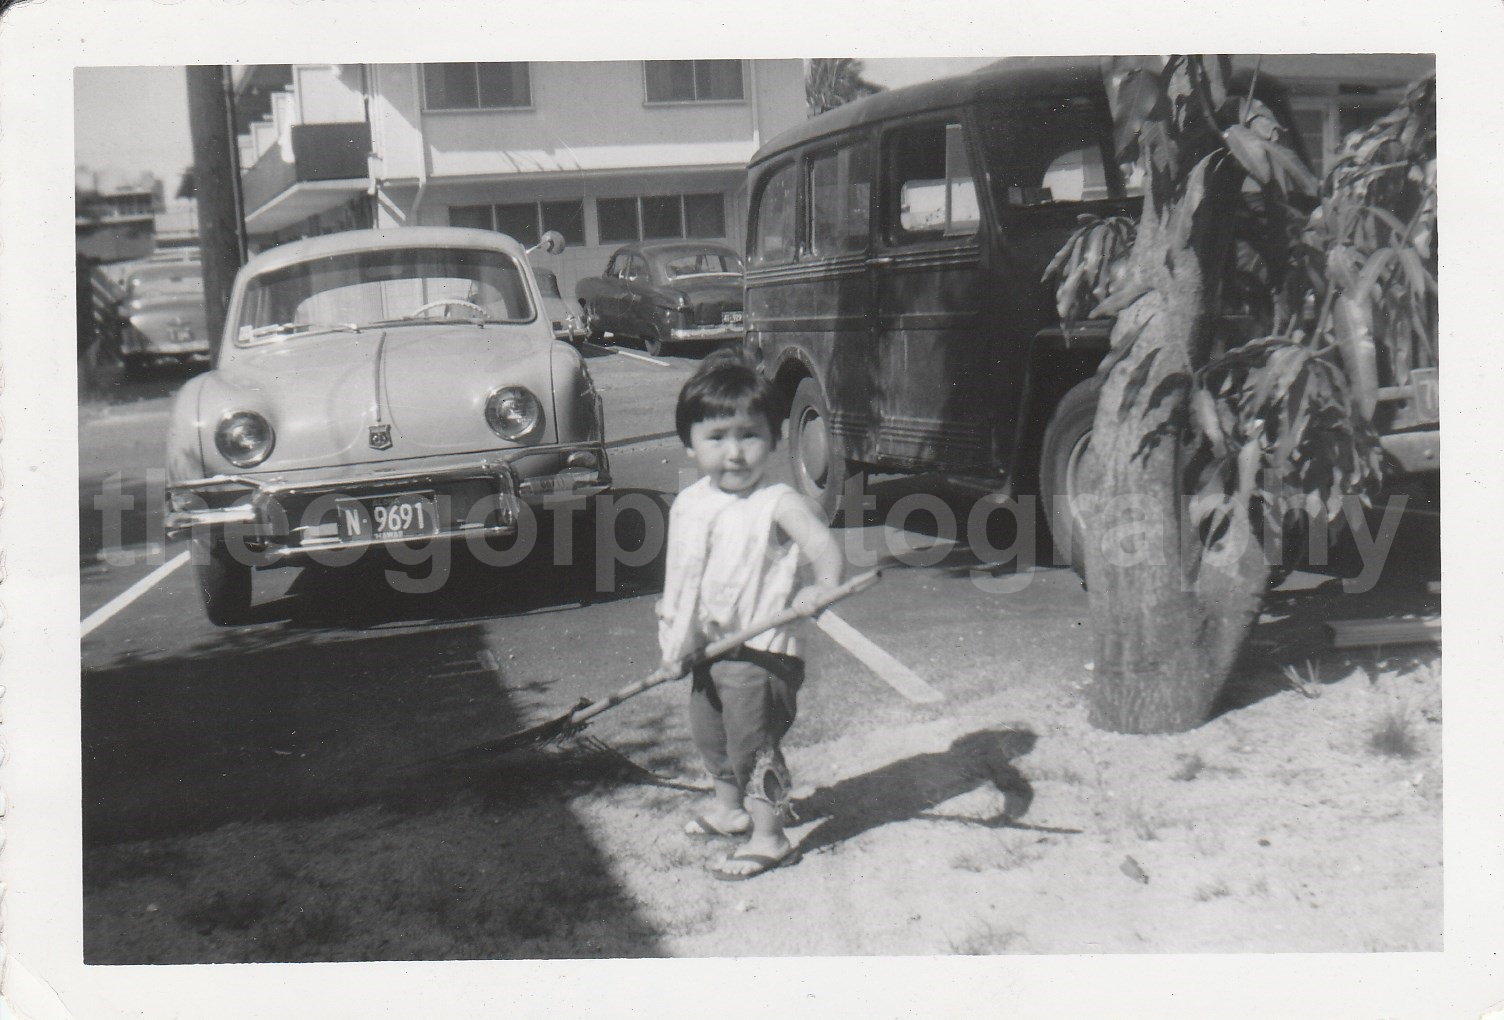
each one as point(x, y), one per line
point(514, 413)
point(244, 438)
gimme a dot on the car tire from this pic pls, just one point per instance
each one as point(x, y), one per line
point(1064, 466)
point(820, 471)
point(653, 345)
point(593, 331)
point(224, 584)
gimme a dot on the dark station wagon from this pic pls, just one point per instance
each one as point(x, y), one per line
point(894, 293)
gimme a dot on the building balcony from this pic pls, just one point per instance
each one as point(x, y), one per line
point(326, 168)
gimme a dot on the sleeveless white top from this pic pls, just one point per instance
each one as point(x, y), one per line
point(727, 567)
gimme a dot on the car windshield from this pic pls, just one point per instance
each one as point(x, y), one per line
point(388, 286)
point(701, 263)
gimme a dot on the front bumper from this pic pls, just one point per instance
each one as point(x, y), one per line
point(286, 519)
point(721, 331)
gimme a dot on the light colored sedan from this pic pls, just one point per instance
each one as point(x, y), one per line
point(372, 388)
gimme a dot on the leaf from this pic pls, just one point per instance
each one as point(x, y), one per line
point(1133, 94)
point(1367, 286)
point(1172, 383)
point(1248, 149)
point(1354, 328)
point(1136, 383)
point(1204, 415)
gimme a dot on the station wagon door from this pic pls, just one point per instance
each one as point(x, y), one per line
point(935, 364)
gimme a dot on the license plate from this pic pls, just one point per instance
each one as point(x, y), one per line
point(384, 518)
point(731, 318)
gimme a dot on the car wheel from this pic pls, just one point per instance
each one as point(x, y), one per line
point(1066, 469)
point(224, 584)
point(593, 331)
point(820, 471)
point(652, 345)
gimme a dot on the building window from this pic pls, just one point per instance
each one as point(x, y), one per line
point(618, 220)
point(654, 217)
point(693, 81)
point(524, 221)
point(496, 86)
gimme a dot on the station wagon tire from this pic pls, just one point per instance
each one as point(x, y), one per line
point(652, 345)
point(820, 472)
point(1063, 470)
point(224, 585)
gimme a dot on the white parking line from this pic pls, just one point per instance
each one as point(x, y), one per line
point(633, 354)
point(898, 676)
point(131, 594)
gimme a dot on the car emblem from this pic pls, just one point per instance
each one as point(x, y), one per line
point(381, 437)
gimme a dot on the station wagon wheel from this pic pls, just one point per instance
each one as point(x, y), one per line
point(444, 302)
point(224, 583)
point(1066, 471)
point(820, 471)
point(652, 345)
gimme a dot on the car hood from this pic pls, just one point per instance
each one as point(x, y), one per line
point(325, 394)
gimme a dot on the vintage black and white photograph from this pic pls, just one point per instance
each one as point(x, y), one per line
point(976, 509)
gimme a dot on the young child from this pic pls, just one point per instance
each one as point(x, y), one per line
point(735, 543)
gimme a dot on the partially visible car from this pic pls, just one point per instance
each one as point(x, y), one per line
point(666, 292)
point(568, 323)
point(377, 388)
point(159, 277)
point(165, 327)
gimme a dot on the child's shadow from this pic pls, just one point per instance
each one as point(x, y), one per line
point(909, 788)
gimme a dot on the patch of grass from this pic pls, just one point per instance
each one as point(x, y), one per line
point(237, 907)
point(1212, 891)
point(108, 865)
point(985, 940)
point(1394, 735)
point(1001, 858)
point(1144, 825)
point(1189, 769)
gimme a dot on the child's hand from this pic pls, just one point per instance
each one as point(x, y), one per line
point(807, 600)
point(668, 669)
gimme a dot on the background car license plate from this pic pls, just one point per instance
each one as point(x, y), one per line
point(384, 518)
point(731, 318)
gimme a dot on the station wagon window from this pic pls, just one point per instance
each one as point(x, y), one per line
point(840, 188)
point(933, 194)
point(1054, 151)
point(386, 285)
point(692, 81)
point(493, 86)
point(775, 239)
point(524, 221)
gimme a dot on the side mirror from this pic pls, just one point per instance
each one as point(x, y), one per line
point(552, 243)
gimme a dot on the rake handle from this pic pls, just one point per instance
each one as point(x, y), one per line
point(705, 653)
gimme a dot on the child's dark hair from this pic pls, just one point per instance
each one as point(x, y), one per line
point(725, 383)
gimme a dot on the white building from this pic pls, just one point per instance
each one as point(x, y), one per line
point(603, 152)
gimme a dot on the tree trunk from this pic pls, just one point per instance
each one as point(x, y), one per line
point(1169, 620)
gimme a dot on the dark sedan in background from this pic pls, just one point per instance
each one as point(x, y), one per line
point(666, 292)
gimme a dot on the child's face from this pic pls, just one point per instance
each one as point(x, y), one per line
point(733, 451)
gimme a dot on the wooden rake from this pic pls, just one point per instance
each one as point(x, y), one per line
point(563, 727)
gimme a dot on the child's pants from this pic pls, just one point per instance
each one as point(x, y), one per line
point(740, 706)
